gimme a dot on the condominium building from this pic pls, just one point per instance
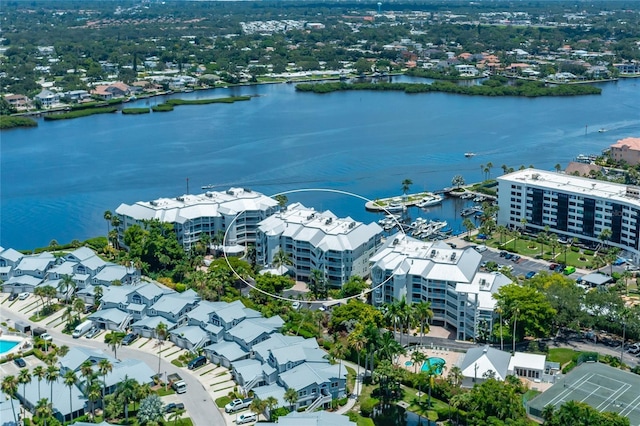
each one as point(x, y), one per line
point(571, 207)
point(236, 212)
point(448, 278)
point(626, 150)
point(339, 248)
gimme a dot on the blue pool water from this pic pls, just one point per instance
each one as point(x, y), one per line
point(7, 345)
point(435, 362)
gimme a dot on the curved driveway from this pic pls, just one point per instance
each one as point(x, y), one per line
point(197, 400)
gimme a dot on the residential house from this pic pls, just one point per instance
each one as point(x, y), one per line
point(448, 278)
point(47, 98)
point(10, 412)
point(19, 102)
point(482, 363)
point(339, 248)
point(236, 212)
point(110, 91)
point(35, 265)
point(626, 150)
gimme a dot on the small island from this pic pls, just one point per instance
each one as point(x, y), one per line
point(493, 86)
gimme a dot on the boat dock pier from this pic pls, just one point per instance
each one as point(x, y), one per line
point(402, 203)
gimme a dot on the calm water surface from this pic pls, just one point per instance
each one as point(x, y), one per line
point(59, 178)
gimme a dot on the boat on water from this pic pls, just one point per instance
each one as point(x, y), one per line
point(469, 154)
point(430, 201)
point(395, 207)
point(210, 186)
point(471, 210)
point(602, 130)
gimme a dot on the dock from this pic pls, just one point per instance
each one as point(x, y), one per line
point(402, 203)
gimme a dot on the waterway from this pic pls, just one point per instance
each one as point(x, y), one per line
point(59, 178)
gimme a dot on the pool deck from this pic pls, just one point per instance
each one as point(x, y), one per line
point(450, 357)
point(12, 338)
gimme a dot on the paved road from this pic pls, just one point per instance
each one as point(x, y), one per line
point(197, 401)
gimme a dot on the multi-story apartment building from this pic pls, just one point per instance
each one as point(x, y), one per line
point(236, 212)
point(339, 248)
point(571, 207)
point(448, 278)
point(626, 150)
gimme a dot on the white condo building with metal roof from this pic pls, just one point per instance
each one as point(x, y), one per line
point(572, 207)
point(448, 278)
point(338, 247)
point(236, 212)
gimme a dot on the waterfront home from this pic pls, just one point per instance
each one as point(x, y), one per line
point(47, 98)
point(20, 284)
point(35, 265)
point(339, 248)
point(449, 278)
point(19, 102)
point(236, 212)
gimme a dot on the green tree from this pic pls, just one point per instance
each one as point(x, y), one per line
point(150, 409)
point(24, 377)
point(469, 226)
point(281, 258)
point(43, 411)
point(526, 309)
point(161, 335)
point(39, 372)
point(126, 392)
point(291, 396)
point(406, 185)
point(114, 340)
point(10, 388)
point(104, 367)
point(424, 313)
point(52, 375)
point(70, 380)
point(354, 286)
point(258, 406)
point(457, 181)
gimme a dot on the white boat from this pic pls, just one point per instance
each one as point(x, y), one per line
point(430, 201)
point(394, 207)
point(469, 154)
point(602, 130)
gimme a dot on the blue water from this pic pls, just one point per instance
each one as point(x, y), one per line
point(435, 362)
point(7, 345)
point(59, 178)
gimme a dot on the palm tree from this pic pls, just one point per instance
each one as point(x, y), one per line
point(338, 351)
point(605, 236)
point(53, 373)
point(406, 184)
point(281, 258)
point(516, 311)
point(44, 410)
point(407, 312)
point(392, 314)
point(93, 394)
point(70, 379)
point(258, 406)
point(97, 294)
point(24, 377)
point(10, 388)
point(161, 334)
point(67, 285)
point(455, 376)
point(108, 216)
point(86, 371)
point(78, 306)
point(104, 367)
point(547, 413)
point(424, 313)
point(388, 347)
point(291, 396)
point(417, 358)
point(489, 166)
point(127, 391)
point(469, 226)
point(40, 373)
point(272, 403)
point(317, 282)
point(499, 311)
point(457, 181)
point(115, 341)
point(357, 341)
point(175, 416)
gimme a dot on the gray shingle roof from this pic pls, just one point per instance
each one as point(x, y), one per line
point(230, 350)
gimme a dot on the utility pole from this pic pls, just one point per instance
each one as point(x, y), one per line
point(187, 186)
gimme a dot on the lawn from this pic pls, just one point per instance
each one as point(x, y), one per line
point(561, 355)
point(418, 405)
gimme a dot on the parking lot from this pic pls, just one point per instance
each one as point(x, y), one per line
point(520, 267)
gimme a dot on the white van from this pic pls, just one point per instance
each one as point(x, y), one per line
point(82, 329)
point(481, 248)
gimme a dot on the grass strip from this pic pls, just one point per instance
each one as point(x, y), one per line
point(80, 113)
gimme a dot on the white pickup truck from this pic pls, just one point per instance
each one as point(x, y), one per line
point(237, 404)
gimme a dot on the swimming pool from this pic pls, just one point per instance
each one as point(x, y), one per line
point(7, 345)
point(434, 362)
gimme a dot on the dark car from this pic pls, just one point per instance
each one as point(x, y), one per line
point(128, 339)
point(20, 362)
point(503, 253)
point(197, 362)
point(530, 274)
point(13, 296)
point(172, 406)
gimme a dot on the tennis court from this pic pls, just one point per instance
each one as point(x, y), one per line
point(602, 387)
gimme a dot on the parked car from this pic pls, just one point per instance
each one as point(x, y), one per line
point(530, 274)
point(508, 256)
point(92, 333)
point(197, 362)
point(553, 266)
point(23, 295)
point(295, 305)
point(569, 270)
point(129, 339)
point(481, 248)
point(173, 406)
point(20, 362)
point(503, 253)
point(13, 296)
point(516, 258)
point(46, 337)
point(246, 418)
